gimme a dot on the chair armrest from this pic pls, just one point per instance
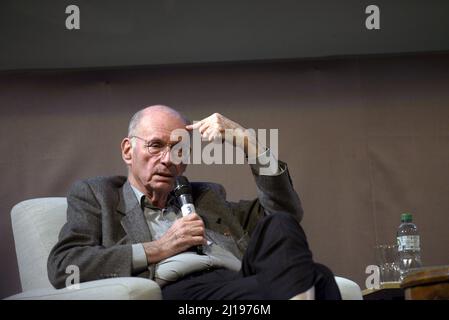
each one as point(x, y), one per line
point(107, 289)
point(349, 289)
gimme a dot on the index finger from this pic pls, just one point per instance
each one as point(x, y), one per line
point(192, 216)
point(196, 125)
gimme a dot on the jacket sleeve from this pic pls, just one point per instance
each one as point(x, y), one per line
point(274, 194)
point(80, 245)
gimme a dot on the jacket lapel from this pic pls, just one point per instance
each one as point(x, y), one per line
point(134, 221)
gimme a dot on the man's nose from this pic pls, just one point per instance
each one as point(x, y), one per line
point(166, 156)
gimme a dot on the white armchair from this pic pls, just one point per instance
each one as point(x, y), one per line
point(36, 224)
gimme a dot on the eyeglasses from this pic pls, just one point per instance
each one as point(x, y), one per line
point(159, 147)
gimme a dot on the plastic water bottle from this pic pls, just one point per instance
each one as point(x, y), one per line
point(408, 245)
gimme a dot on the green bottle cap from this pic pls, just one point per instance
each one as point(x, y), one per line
point(406, 217)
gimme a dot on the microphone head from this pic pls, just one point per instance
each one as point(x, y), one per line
point(182, 186)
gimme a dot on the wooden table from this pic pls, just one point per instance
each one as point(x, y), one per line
point(429, 283)
point(387, 291)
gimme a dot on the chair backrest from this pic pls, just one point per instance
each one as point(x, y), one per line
point(36, 224)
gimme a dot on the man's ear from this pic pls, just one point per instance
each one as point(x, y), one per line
point(127, 150)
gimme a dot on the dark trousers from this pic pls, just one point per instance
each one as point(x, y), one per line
point(277, 265)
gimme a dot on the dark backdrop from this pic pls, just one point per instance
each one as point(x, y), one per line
point(149, 32)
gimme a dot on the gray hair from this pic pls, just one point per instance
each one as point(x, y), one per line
point(132, 127)
point(134, 122)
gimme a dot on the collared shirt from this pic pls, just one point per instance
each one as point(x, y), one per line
point(175, 267)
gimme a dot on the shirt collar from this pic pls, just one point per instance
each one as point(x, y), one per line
point(171, 200)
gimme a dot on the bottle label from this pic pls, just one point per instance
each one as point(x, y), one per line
point(408, 243)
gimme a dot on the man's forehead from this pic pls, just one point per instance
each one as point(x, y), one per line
point(159, 131)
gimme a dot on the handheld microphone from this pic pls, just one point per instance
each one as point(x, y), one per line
point(183, 192)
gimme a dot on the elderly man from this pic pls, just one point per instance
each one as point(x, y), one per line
point(121, 227)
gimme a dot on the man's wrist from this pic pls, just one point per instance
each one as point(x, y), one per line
point(153, 252)
point(252, 148)
point(265, 164)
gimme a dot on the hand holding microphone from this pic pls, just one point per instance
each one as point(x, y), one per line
point(185, 233)
point(183, 192)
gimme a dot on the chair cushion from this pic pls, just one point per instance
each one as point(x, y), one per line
point(106, 289)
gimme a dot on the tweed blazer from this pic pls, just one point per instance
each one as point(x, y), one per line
point(104, 219)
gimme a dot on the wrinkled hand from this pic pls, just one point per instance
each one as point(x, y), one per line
point(214, 127)
point(186, 232)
